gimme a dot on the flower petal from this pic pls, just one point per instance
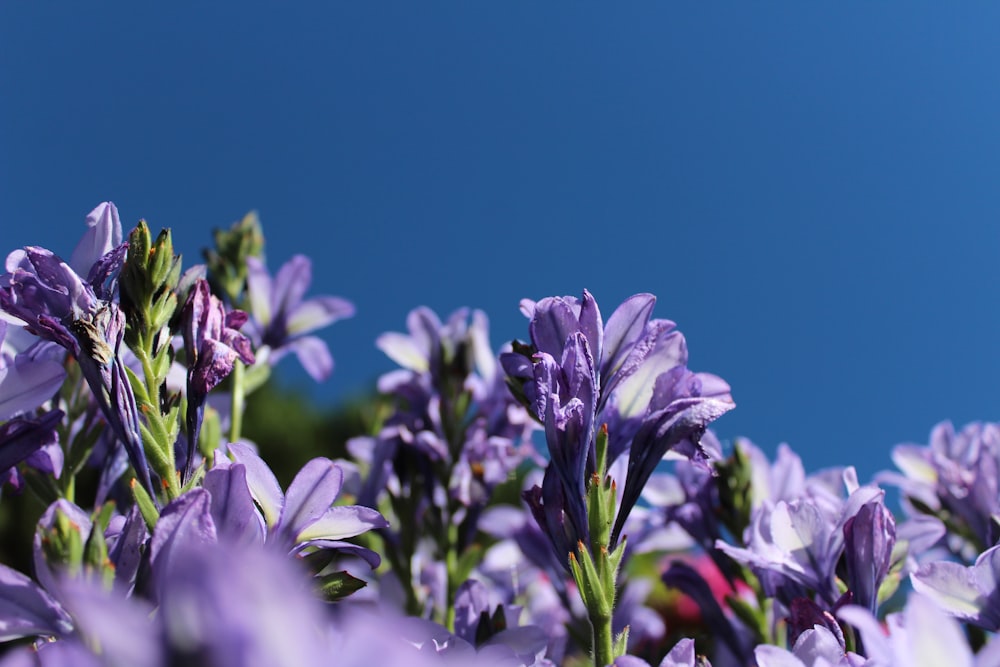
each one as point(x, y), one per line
point(314, 355)
point(104, 233)
point(26, 610)
point(263, 484)
point(318, 312)
point(342, 522)
point(310, 495)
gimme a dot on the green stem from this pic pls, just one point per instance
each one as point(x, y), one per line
point(161, 453)
point(238, 402)
point(451, 566)
point(600, 626)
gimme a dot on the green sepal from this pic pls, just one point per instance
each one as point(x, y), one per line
point(95, 556)
point(593, 587)
point(147, 508)
point(227, 262)
point(467, 561)
point(138, 385)
point(79, 452)
point(197, 475)
point(162, 259)
point(338, 585)
point(620, 646)
point(161, 362)
point(255, 377)
point(210, 436)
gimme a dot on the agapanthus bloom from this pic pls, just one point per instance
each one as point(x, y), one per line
point(970, 593)
point(629, 374)
point(956, 479)
point(82, 316)
point(801, 542)
point(281, 319)
point(214, 345)
point(247, 500)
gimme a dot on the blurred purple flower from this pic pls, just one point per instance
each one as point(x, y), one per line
point(969, 593)
point(280, 319)
point(921, 635)
point(816, 647)
point(28, 610)
point(33, 440)
point(956, 477)
point(681, 655)
point(28, 378)
point(869, 537)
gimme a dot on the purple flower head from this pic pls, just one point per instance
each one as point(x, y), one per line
point(212, 339)
point(955, 477)
point(82, 317)
point(681, 407)
point(301, 519)
point(869, 537)
point(801, 541)
point(455, 423)
point(922, 635)
point(213, 345)
point(280, 319)
point(971, 593)
point(816, 647)
point(629, 374)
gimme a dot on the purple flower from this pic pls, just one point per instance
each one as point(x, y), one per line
point(681, 407)
point(921, 635)
point(681, 655)
point(630, 375)
point(816, 647)
point(456, 432)
point(212, 339)
point(82, 317)
point(281, 319)
point(213, 345)
point(33, 440)
point(304, 517)
point(969, 593)
point(104, 233)
point(955, 477)
point(869, 537)
point(799, 542)
point(28, 610)
point(27, 379)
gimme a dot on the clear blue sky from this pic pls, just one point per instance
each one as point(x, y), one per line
point(811, 189)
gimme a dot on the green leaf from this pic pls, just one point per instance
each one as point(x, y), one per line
point(138, 385)
point(339, 585)
point(146, 505)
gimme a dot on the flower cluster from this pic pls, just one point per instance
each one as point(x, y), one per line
point(561, 501)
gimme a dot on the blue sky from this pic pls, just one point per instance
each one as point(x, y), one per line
point(809, 188)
